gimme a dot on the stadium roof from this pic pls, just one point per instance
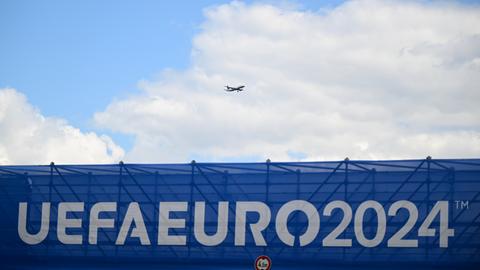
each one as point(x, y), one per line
point(243, 168)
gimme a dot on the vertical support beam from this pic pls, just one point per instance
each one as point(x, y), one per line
point(88, 205)
point(50, 183)
point(29, 185)
point(345, 194)
point(50, 187)
point(298, 173)
point(27, 182)
point(267, 198)
point(29, 195)
point(374, 195)
point(225, 190)
point(427, 203)
point(345, 180)
point(267, 182)
point(451, 180)
point(155, 214)
point(297, 217)
point(374, 188)
point(190, 206)
point(225, 181)
point(119, 197)
point(429, 162)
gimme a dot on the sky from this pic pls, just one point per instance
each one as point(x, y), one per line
point(142, 81)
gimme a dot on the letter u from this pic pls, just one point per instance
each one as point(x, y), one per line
point(199, 224)
point(33, 239)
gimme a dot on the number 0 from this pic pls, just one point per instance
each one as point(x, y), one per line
point(381, 224)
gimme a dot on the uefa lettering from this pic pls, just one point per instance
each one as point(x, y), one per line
point(133, 220)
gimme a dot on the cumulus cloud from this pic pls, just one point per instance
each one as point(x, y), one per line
point(367, 80)
point(28, 137)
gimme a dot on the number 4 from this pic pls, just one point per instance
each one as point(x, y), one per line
point(440, 208)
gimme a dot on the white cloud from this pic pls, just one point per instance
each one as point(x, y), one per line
point(368, 80)
point(27, 137)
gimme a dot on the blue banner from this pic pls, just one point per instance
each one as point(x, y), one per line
point(422, 213)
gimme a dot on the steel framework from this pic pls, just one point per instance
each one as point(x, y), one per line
point(422, 182)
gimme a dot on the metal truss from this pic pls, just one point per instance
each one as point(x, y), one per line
point(421, 181)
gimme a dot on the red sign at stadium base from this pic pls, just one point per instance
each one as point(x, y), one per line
point(263, 262)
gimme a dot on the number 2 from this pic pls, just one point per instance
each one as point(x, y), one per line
point(397, 239)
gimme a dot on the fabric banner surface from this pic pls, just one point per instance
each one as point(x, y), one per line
point(338, 215)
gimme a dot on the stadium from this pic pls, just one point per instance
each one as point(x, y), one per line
point(239, 134)
point(348, 214)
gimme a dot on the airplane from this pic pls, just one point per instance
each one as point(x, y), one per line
point(232, 89)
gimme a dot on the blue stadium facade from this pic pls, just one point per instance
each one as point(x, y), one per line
point(334, 215)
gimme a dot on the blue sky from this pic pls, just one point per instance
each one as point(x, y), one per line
point(72, 58)
point(82, 61)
